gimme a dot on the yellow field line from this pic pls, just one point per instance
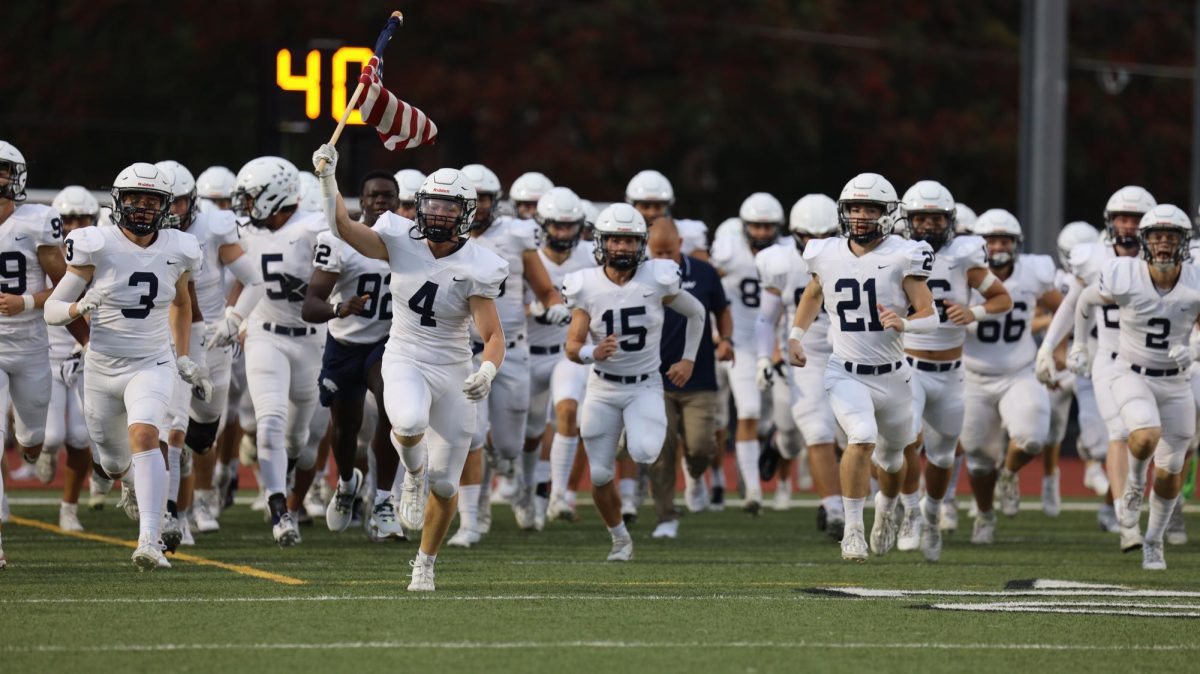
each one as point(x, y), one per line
point(181, 556)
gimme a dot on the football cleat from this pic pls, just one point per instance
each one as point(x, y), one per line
point(668, 529)
point(524, 509)
point(68, 517)
point(98, 488)
point(782, 499)
point(1106, 519)
point(1052, 495)
point(541, 506)
point(931, 543)
point(483, 521)
point(883, 530)
point(629, 512)
point(128, 501)
point(1095, 478)
point(835, 526)
point(46, 466)
point(506, 487)
point(1152, 556)
point(414, 492)
point(854, 543)
point(285, 531)
point(383, 525)
point(148, 556)
point(313, 505)
point(717, 502)
point(695, 494)
point(464, 538)
point(1176, 531)
point(948, 521)
point(622, 550)
point(422, 576)
point(985, 529)
point(1130, 510)
point(205, 510)
point(559, 509)
point(340, 511)
point(172, 532)
point(1008, 492)
point(753, 503)
point(185, 528)
point(911, 527)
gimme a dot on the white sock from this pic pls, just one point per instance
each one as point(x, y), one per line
point(382, 495)
point(785, 486)
point(173, 459)
point(627, 488)
point(529, 462)
point(541, 474)
point(911, 501)
point(1137, 472)
point(718, 477)
point(747, 460)
point(952, 488)
point(272, 470)
point(1160, 514)
point(468, 506)
point(151, 479)
point(932, 511)
point(413, 458)
point(833, 506)
point(619, 532)
point(570, 496)
point(427, 559)
point(884, 503)
point(854, 510)
point(562, 457)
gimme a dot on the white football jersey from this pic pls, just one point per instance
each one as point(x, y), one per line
point(1005, 344)
point(785, 270)
point(132, 322)
point(213, 230)
point(852, 286)
point(948, 283)
point(357, 275)
point(1088, 261)
point(540, 331)
point(633, 312)
point(284, 257)
point(733, 258)
point(510, 238)
point(31, 226)
point(694, 234)
point(1151, 322)
point(431, 311)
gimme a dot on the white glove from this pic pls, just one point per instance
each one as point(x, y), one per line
point(1044, 367)
point(72, 367)
point(478, 385)
point(1078, 360)
point(536, 309)
point(224, 330)
point(197, 376)
point(1182, 355)
point(330, 154)
point(766, 374)
point(91, 300)
point(558, 314)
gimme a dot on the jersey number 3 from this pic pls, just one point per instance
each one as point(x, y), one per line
point(146, 301)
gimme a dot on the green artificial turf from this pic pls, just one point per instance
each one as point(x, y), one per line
point(727, 596)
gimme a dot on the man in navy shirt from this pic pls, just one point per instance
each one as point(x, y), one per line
point(690, 410)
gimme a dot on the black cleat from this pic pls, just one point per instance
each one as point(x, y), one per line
point(822, 519)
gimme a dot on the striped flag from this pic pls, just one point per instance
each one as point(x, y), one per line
point(400, 125)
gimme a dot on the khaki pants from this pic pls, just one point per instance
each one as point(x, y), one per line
point(690, 422)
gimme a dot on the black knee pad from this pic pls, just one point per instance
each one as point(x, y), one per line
point(201, 435)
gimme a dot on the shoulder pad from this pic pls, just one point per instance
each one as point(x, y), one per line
point(43, 222)
point(666, 274)
point(572, 288)
point(971, 249)
point(223, 225)
point(1044, 269)
point(1116, 276)
point(918, 259)
point(814, 247)
point(528, 232)
point(189, 248)
point(84, 241)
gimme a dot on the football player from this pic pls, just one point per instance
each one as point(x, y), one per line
point(1159, 299)
point(653, 196)
point(868, 277)
point(619, 305)
point(442, 281)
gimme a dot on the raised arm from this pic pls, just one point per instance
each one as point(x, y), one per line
point(360, 237)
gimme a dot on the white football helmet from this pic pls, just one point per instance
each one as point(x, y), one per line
point(814, 216)
point(529, 187)
point(445, 205)
point(964, 219)
point(929, 196)
point(1074, 234)
point(77, 201)
point(1165, 217)
point(310, 192)
point(649, 186)
point(272, 183)
point(1132, 200)
point(761, 208)
point(620, 220)
point(216, 182)
point(486, 181)
point(590, 212)
point(183, 186)
point(560, 205)
point(875, 190)
point(409, 181)
point(999, 222)
point(140, 178)
point(12, 159)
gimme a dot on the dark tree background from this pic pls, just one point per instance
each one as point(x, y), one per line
point(727, 98)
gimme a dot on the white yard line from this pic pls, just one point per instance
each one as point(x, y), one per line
point(396, 597)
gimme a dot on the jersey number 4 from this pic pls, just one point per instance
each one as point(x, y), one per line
point(422, 303)
point(636, 332)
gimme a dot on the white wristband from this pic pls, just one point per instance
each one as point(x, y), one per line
point(488, 369)
point(796, 333)
point(28, 300)
point(979, 312)
point(585, 354)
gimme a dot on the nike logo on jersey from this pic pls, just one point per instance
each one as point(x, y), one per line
point(170, 261)
point(647, 294)
point(20, 238)
point(460, 280)
point(162, 362)
point(292, 241)
point(884, 266)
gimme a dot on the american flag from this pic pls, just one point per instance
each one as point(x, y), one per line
point(400, 125)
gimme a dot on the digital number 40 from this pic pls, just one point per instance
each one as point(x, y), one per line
point(310, 81)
